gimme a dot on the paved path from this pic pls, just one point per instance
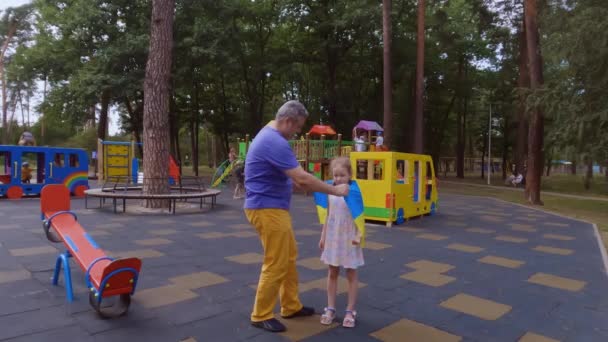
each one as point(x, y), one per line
point(480, 270)
point(558, 194)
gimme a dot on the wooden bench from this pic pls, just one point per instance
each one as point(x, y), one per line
point(104, 276)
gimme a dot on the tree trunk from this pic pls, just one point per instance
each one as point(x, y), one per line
point(536, 128)
point(419, 110)
point(441, 133)
point(102, 128)
point(589, 173)
point(156, 102)
point(12, 28)
point(573, 167)
point(388, 81)
point(522, 121)
point(460, 127)
point(505, 146)
point(483, 156)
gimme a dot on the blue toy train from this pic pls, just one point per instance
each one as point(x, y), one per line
point(24, 170)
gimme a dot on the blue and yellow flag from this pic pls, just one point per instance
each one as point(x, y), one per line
point(354, 202)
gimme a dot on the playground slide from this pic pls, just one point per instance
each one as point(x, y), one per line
point(105, 277)
point(220, 175)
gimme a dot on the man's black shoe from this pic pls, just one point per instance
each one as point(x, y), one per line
point(304, 311)
point(272, 325)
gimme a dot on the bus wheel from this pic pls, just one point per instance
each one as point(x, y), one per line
point(400, 216)
point(14, 192)
point(79, 190)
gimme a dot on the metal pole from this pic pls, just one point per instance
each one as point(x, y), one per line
point(490, 144)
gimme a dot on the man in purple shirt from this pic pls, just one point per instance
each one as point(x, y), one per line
point(271, 169)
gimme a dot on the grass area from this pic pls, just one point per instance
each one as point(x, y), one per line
point(562, 183)
point(589, 210)
point(203, 171)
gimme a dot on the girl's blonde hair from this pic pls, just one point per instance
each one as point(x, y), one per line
point(341, 162)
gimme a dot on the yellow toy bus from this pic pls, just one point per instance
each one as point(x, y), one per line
point(395, 186)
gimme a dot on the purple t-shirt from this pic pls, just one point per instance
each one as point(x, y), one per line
point(266, 184)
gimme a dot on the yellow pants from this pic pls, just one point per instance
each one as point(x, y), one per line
point(279, 276)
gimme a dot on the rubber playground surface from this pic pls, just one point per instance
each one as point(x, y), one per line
point(479, 270)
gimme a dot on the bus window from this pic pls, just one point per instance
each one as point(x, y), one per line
point(32, 167)
point(361, 169)
point(74, 162)
point(429, 181)
point(370, 169)
point(59, 157)
point(402, 172)
point(5, 167)
point(378, 169)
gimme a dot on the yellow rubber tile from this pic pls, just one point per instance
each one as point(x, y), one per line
point(513, 239)
point(20, 252)
point(428, 278)
point(499, 261)
point(490, 218)
point(429, 266)
point(198, 280)
point(138, 253)
point(480, 230)
point(434, 237)
point(313, 263)
point(164, 295)
point(213, 235)
point(304, 327)
point(553, 250)
point(244, 234)
point(321, 284)
point(406, 330)
point(99, 233)
point(153, 242)
point(532, 337)
point(16, 275)
point(475, 306)
point(376, 246)
point(411, 230)
point(241, 226)
point(523, 227)
point(307, 232)
point(247, 258)
point(558, 237)
point(557, 282)
point(465, 248)
point(202, 224)
point(162, 232)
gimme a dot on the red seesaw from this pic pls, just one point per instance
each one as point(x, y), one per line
point(104, 276)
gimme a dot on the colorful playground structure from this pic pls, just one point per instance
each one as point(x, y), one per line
point(117, 160)
point(104, 276)
point(395, 186)
point(25, 170)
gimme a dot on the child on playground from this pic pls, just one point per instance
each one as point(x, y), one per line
point(340, 245)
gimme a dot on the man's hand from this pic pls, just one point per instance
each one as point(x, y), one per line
point(342, 190)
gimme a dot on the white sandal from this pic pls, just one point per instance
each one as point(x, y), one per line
point(328, 316)
point(349, 322)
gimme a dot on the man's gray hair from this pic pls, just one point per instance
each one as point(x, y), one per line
point(291, 110)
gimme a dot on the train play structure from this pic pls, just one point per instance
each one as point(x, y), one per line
point(25, 170)
point(395, 186)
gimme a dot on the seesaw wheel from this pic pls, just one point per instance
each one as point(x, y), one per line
point(119, 307)
point(51, 235)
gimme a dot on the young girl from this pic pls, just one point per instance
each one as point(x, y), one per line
point(341, 246)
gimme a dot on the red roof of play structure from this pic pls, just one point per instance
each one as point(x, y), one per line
point(322, 129)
